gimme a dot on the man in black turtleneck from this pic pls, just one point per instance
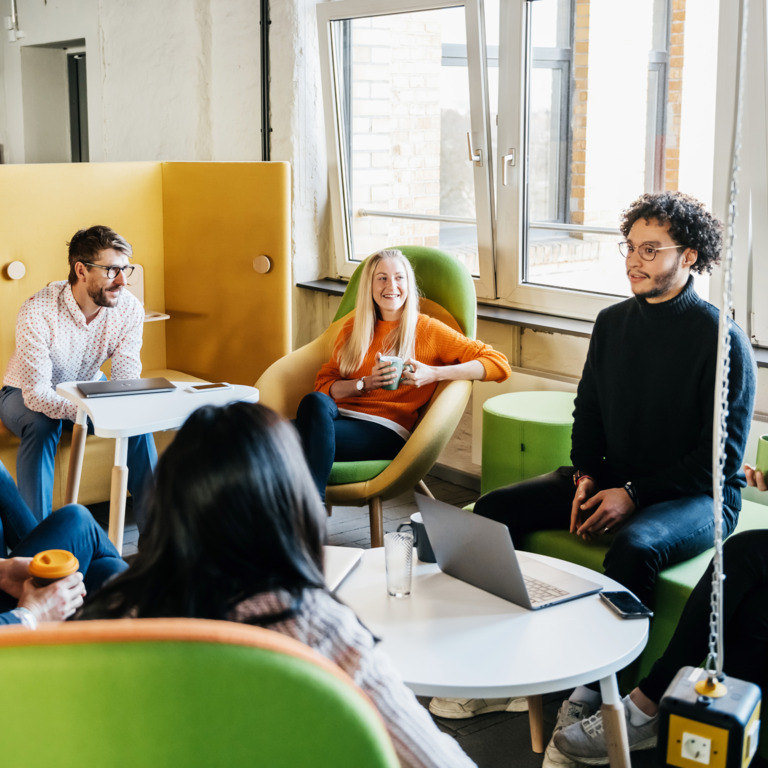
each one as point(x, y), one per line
point(642, 432)
point(641, 444)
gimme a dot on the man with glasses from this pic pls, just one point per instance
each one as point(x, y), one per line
point(641, 444)
point(65, 332)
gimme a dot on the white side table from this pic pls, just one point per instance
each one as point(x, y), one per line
point(124, 416)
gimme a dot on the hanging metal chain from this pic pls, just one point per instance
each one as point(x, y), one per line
point(714, 663)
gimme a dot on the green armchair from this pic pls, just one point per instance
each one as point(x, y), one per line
point(448, 293)
point(181, 692)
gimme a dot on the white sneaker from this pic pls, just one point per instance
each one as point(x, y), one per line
point(460, 709)
point(585, 741)
point(570, 712)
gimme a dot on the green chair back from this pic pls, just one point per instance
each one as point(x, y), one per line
point(440, 276)
point(181, 703)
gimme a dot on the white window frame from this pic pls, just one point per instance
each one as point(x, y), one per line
point(511, 221)
point(750, 264)
point(330, 12)
point(501, 259)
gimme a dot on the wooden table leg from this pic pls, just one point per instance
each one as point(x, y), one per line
point(536, 722)
point(614, 724)
point(376, 517)
point(422, 488)
point(118, 492)
point(76, 452)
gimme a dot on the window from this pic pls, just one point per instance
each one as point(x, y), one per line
point(513, 133)
point(407, 109)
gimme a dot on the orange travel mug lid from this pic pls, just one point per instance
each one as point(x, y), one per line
point(53, 564)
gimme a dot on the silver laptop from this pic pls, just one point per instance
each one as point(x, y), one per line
point(479, 551)
point(125, 387)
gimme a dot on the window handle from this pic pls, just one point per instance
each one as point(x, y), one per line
point(475, 155)
point(507, 161)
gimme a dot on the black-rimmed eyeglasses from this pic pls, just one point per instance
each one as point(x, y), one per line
point(647, 252)
point(112, 272)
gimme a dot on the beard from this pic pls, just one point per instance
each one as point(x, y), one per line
point(661, 283)
point(101, 297)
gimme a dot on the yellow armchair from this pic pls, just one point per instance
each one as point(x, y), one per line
point(448, 293)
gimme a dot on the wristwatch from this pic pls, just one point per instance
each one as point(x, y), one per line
point(632, 493)
point(360, 384)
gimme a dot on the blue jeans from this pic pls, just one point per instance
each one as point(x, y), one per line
point(36, 455)
point(72, 528)
point(652, 539)
point(328, 436)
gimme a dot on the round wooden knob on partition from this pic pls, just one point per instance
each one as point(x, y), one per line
point(15, 270)
point(262, 264)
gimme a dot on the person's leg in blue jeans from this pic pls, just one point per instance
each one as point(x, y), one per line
point(652, 539)
point(73, 528)
point(327, 437)
point(37, 452)
point(16, 521)
point(658, 536)
point(142, 460)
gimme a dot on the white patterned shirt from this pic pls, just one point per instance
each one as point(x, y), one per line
point(335, 632)
point(55, 344)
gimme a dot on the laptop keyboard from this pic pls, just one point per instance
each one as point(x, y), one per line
point(541, 592)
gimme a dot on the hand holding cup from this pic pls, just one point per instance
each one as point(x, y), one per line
point(396, 370)
point(55, 590)
point(757, 476)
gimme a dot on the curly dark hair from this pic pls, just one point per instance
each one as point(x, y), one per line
point(690, 224)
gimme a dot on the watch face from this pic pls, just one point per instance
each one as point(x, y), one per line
point(360, 385)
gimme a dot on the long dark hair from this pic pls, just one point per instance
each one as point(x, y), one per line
point(234, 513)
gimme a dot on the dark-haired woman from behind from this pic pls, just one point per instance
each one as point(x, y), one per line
point(236, 532)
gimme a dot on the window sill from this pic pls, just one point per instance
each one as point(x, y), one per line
point(519, 317)
point(522, 318)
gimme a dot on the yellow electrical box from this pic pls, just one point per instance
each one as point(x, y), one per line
point(718, 730)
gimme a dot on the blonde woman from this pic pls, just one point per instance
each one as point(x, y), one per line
point(351, 416)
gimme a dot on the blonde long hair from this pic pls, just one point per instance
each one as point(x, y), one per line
point(400, 341)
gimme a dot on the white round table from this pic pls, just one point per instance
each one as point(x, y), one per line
point(451, 639)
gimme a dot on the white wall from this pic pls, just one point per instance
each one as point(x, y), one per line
point(42, 24)
point(166, 80)
point(298, 137)
point(46, 105)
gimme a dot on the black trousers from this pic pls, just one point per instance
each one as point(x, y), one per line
point(745, 616)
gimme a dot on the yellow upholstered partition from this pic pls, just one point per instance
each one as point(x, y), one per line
point(228, 322)
point(195, 228)
point(42, 206)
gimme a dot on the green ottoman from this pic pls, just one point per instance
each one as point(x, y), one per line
point(525, 434)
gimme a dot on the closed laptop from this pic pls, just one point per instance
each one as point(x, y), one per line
point(125, 387)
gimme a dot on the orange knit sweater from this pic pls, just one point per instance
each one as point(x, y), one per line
point(436, 344)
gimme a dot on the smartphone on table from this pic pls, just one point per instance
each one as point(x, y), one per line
point(626, 605)
point(208, 387)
